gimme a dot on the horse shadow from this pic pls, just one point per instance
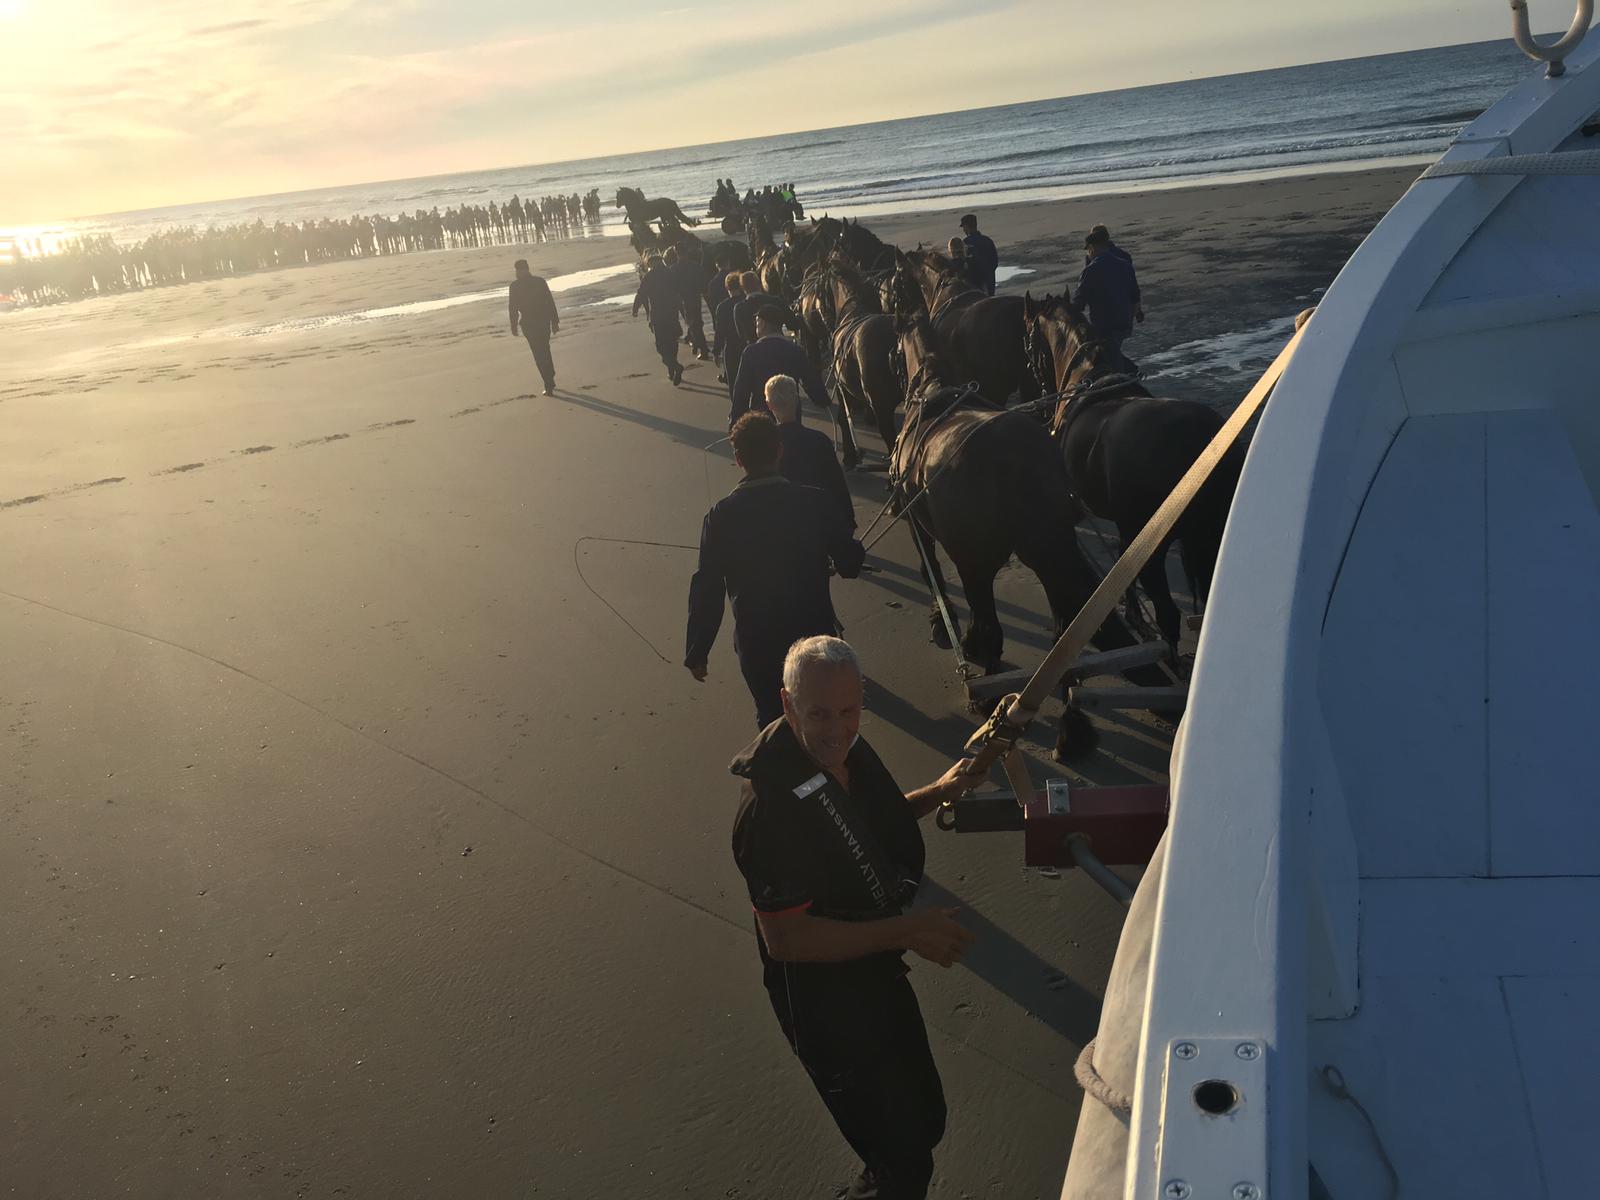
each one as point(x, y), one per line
point(693, 436)
point(887, 575)
point(938, 733)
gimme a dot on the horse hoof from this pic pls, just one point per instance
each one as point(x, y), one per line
point(1076, 738)
point(938, 636)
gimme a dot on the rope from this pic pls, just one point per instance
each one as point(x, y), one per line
point(1570, 162)
point(1333, 1080)
point(577, 565)
point(1094, 1084)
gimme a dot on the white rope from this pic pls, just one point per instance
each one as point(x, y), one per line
point(1572, 162)
point(1094, 1084)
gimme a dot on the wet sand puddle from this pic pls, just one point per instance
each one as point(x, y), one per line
point(326, 321)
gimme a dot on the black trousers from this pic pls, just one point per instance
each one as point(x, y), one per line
point(869, 1061)
point(763, 675)
point(694, 324)
point(539, 343)
point(667, 343)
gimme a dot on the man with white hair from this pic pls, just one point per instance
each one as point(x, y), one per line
point(829, 847)
point(808, 457)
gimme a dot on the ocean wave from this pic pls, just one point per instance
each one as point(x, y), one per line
point(790, 149)
point(694, 162)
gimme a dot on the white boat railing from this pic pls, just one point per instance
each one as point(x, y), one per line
point(1556, 53)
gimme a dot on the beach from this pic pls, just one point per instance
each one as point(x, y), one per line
point(355, 847)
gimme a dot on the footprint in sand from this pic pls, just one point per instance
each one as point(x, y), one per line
point(332, 437)
point(180, 469)
point(255, 449)
point(392, 424)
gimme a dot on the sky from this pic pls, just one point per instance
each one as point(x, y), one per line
point(112, 105)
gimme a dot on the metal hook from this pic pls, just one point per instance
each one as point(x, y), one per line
point(1557, 51)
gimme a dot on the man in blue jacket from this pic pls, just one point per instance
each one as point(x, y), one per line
point(1108, 289)
point(773, 354)
point(985, 259)
point(766, 546)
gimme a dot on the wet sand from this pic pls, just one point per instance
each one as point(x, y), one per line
point(354, 848)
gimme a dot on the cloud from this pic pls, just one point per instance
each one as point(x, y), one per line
point(230, 27)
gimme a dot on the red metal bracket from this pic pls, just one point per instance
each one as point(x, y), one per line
point(1122, 825)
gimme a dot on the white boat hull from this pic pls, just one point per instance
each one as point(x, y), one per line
point(1384, 854)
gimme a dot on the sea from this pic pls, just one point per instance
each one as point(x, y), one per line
point(1335, 115)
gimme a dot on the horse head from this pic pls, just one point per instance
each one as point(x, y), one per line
point(1063, 348)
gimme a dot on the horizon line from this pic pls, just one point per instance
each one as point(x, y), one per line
point(558, 162)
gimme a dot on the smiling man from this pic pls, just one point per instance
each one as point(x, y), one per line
point(829, 847)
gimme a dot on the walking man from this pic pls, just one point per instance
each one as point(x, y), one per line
point(980, 249)
point(659, 298)
point(1108, 289)
point(688, 278)
point(830, 851)
point(726, 346)
point(766, 546)
point(535, 309)
point(808, 457)
point(773, 354)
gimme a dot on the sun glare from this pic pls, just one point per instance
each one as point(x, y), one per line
point(10, 10)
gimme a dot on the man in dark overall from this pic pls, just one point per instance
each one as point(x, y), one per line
point(985, 259)
point(743, 329)
point(725, 345)
point(1108, 289)
point(829, 848)
point(808, 457)
point(659, 298)
point(534, 307)
point(766, 546)
point(771, 353)
point(689, 278)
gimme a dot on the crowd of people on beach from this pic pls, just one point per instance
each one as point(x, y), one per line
point(98, 265)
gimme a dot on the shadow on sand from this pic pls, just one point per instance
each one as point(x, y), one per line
point(694, 436)
point(1016, 972)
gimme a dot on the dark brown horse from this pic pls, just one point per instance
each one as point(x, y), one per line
point(1125, 450)
point(767, 255)
point(806, 246)
point(870, 254)
point(986, 484)
point(641, 210)
point(981, 334)
point(863, 345)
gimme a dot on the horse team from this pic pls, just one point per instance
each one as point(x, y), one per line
point(1018, 422)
